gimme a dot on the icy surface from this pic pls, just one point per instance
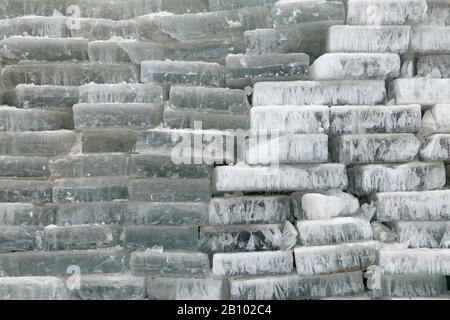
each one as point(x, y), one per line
point(250, 209)
point(120, 93)
point(364, 92)
point(382, 233)
point(415, 261)
point(287, 148)
point(324, 205)
point(386, 12)
point(370, 148)
point(421, 234)
point(325, 259)
point(430, 39)
point(295, 119)
point(294, 287)
point(252, 263)
point(436, 148)
point(336, 230)
point(375, 119)
point(424, 91)
point(370, 39)
point(435, 65)
point(282, 178)
point(412, 176)
point(354, 66)
point(424, 205)
point(33, 288)
point(413, 285)
point(186, 289)
point(436, 119)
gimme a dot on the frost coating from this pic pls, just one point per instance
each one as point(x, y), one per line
point(252, 263)
point(334, 258)
point(33, 288)
point(336, 230)
point(391, 39)
point(414, 205)
point(386, 12)
point(282, 178)
point(382, 233)
point(354, 66)
point(421, 234)
point(375, 119)
point(295, 119)
point(415, 261)
point(185, 289)
point(363, 92)
point(423, 91)
point(325, 205)
point(436, 148)
point(292, 287)
point(413, 285)
point(288, 148)
point(436, 120)
point(121, 93)
point(411, 176)
point(251, 209)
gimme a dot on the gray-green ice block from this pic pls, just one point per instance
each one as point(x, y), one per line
point(17, 119)
point(52, 27)
point(168, 237)
point(209, 99)
point(325, 259)
point(327, 92)
point(107, 141)
point(308, 38)
point(216, 5)
point(414, 205)
point(48, 97)
point(110, 287)
point(62, 262)
point(412, 176)
point(82, 237)
point(24, 167)
point(170, 264)
point(252, 263)
point(250, 237)
point(33, 288)
point(226, 23)
point(245, 70)
point(250, 209)
point(374, 148)
point(42, 143)
point(89, 165)
point(187, 119)
point(163, 288)
point(298, 12)
point(19, 48)
point(170, 190)
point(152, 166)
point(90, 189)
point(68, 74)
point(182, 72)
point(335, 230)
point(129, 115)
point(28, 191)
point(294, 287)
point(188, 145)
point(20, 238)
point(24, 214)
point(121, 93)
point(127, 213)
point(375, 119)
